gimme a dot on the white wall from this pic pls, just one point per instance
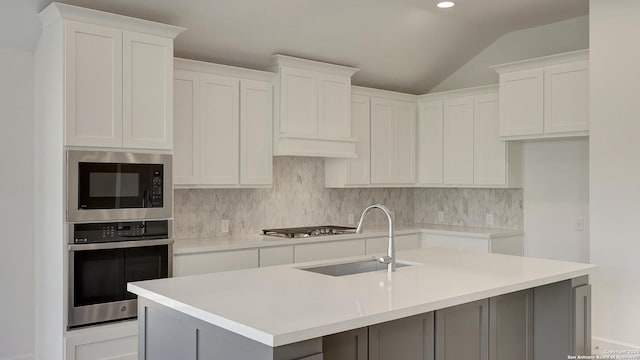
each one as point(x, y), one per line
point(615, 168)
point(529, 43)
point(556, 195)
point(17, 204)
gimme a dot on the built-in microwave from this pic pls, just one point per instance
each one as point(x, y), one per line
point(108, 186)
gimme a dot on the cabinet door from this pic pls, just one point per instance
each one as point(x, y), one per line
point(458, 141)
point(511, 326)
point(489, 151)
point(256, 137)
point(358, 169)
point(402, 242)
point(219, 130)
point(186, 142)
point(298, 102)
point(521, 103)
point(462, 332)
point(410, 338)
point(328, 250)
point(202, 263)
point(382, 141)
point(430, 146)
point(566, 97)
point(403, 162)
point(456, 242)
point(348, 345)
point(276, 256)
point(93, 85)
point(334, 106)
point(147, 116)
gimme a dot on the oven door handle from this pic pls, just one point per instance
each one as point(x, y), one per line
point(119, 245)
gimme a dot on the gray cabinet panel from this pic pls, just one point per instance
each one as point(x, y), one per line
point(410, 338)
point(582, 320)
point(552, 321)
point(511, 326)
point(462, 332)
point(348, 345)
point(167, 336)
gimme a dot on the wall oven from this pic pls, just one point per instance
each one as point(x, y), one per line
point(104, 257)
point(109, 186)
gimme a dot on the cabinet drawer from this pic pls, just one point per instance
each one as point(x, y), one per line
point(455, 242)
point(191, 264)
point(379, 245)
point(331, 250)
point(276, 256)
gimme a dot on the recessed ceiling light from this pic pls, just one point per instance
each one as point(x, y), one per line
point(446, 4)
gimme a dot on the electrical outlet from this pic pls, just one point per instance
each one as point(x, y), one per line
point(579, 224)
point(351, 219)
point(224, 226)
point(440, 216)
point(489, 219)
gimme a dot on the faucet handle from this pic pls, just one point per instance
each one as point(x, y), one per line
point(383, 259)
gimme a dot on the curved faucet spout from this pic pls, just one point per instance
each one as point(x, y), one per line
point(391, 250)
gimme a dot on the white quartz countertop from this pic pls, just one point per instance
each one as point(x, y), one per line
point(236, 242)
point(283, 304)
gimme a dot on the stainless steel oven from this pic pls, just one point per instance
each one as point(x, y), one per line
point(104, 257)
point(109, 186)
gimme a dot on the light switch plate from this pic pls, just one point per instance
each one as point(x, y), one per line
point(224, 226)
point(489, 219)
point(579, 224)
point(351, 220)
point(440, 216)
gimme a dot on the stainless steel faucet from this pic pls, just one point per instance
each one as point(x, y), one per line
point(390, 259)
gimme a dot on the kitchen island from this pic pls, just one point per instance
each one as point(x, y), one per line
point(442, 299)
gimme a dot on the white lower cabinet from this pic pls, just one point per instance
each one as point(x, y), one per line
point(329, 250)
point(378, 245)
point(508, 245)
point(202, 263)
point(117, 341)
point(279, 255)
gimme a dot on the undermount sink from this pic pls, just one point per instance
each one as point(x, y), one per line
point(350, 268)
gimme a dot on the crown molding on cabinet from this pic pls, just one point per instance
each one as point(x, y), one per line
point(57, 11)
point(542, 61)
point(278, 60)
point(393, 95)
point(479, 90)
point(225, 70)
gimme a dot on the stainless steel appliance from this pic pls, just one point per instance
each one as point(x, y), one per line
point(109, 186)
point(104, 257)
point(308, 231)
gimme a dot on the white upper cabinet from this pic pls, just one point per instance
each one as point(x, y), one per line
point(430, 143)
point(223, 120)
point(312, 108)
point(147, 92)
point(545, 97)
point(384, 123)
point(93, 79)
point(118, 79)
point(459, 143)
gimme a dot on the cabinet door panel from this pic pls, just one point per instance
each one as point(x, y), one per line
point(219, 130)
point(490, 152)
point(382, 141)
point(358, 169)
point(462, 332)
point(147, 91)
point(511, 326)
point(334, 106)
point(430, 145)
point(299, 103)
point(403, 165)
point(458, 141)
point(93, 85)
point(328, 250)
point(186, 160)
point(521, 103)
point(566, 98)
point(410, 338)
point(202, 263)
point(276, 256)
point(402, 242)
point(256, 154)
point(348, 345)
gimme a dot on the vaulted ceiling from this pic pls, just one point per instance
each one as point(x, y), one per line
point(403, 45)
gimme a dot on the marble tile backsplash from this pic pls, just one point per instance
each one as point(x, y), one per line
point(299, 198)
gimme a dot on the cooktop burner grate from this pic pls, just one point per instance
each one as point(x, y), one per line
point(308, 231)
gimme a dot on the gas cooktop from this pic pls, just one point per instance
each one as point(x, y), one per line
point(308, 231)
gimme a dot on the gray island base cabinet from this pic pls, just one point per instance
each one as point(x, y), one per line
point(546, 322)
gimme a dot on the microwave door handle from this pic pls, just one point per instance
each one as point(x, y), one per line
point(119, 245)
